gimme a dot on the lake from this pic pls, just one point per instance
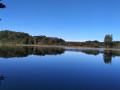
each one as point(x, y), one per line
point(45, 68)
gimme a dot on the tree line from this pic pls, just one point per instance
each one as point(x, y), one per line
point(107, 43)
point(11, 37)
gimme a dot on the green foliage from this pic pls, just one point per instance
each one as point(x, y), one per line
point(91, 43)
point(48, 40)
point(12, 37)
point(95, 44)
point(115, 44)
point(108, 41)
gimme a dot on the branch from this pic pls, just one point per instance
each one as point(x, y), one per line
point(2, 5)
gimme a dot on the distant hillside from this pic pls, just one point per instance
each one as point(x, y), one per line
point(13, 37)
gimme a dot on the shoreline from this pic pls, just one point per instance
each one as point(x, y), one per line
point(58, 46)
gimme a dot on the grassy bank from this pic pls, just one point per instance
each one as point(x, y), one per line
point(57, 46)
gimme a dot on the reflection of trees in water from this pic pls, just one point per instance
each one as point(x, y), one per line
point(93, 52)
point(47, 51)
point(1, 79)
point(107, 54)
point(86, 51)
point(7, 52)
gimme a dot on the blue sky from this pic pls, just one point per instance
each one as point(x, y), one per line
point(72, 20)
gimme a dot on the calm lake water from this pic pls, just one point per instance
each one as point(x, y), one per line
point(43, 68)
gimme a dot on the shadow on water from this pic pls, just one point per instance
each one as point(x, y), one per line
point(17, 51)
point(10, 52)
point(107, 54)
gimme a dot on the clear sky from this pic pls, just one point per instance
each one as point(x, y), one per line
point(72, 20)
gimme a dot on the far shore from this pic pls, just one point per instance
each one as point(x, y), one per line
point(58, 46)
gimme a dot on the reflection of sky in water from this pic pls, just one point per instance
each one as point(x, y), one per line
point(68, 71)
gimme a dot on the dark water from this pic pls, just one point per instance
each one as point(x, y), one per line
point(43, 68)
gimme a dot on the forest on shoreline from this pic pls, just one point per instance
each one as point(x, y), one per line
point(12, 37)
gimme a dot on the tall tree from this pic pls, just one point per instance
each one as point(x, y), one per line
point(108, 40)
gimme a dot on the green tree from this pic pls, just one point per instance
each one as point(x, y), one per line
point(108, 40)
